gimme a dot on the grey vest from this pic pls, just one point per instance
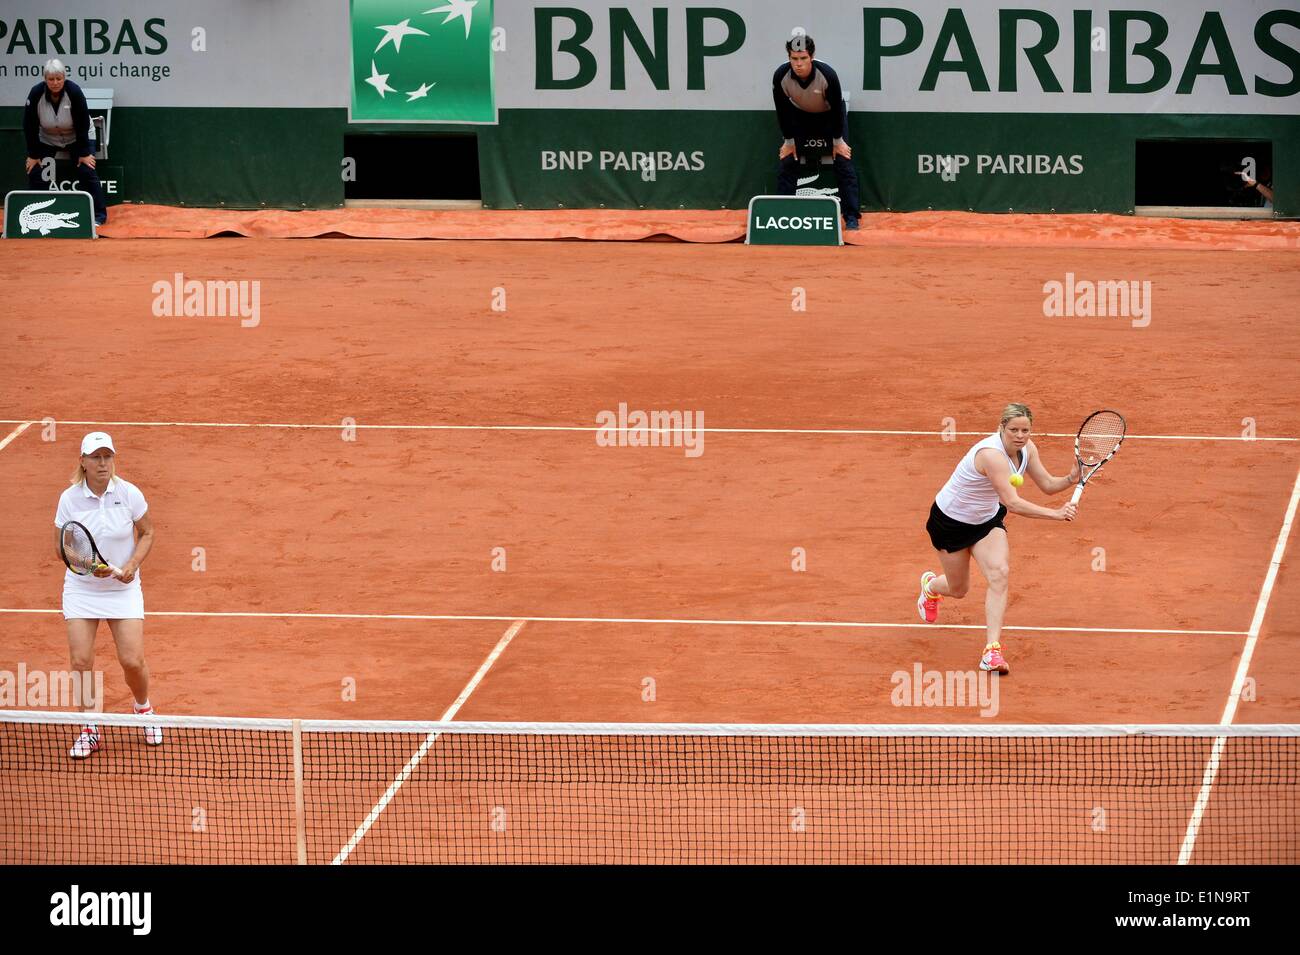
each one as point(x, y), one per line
point(810, 99)
point(56, 124)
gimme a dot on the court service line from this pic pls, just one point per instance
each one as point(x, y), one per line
point(1239, 681)
point(23, 426)
point(422, 751)
point(676, 621)
point(596, 428)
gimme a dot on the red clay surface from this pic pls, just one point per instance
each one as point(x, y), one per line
point(404, 521)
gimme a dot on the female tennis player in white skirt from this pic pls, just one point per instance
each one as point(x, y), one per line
point(117, 516)
point(966, 521)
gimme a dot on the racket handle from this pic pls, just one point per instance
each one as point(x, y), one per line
point(115, 570)
point(1078, 493)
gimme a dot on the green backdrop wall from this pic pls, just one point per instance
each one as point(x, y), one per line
point(292, 158)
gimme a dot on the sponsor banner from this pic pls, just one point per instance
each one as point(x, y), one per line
point(666, 104)
point(906, 161)
point(1238, 57)
point(539, 159)
point(182, 52)
point(1062, 56)
point(412, 63)
point(39, 215)
point(794, 220)
point(112, 182)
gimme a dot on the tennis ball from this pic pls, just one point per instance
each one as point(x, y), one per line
point(1017, 480)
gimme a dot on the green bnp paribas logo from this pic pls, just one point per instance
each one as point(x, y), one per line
point(416, 63)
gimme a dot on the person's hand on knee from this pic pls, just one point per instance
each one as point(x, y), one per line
point(87, 161)
point(31, 164)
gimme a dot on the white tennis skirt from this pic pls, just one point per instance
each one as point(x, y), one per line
point(125, 604)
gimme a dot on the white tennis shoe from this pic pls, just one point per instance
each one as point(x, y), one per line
point(87, 743)
point(153, 735)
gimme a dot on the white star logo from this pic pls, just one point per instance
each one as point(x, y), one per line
point(421, 92)
point(457, 8)
point(379, 81)
point(394, 32)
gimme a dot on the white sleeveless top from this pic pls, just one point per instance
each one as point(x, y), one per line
point(969, 496)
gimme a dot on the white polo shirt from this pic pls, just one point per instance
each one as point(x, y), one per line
point(111, 521)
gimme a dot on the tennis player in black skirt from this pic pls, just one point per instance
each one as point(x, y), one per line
point(966, 521)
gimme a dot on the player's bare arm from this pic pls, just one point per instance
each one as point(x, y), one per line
point(1043, 478)
point(998, 471)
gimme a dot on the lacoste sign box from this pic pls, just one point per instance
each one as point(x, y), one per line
point(48, 215)
point(794, 220)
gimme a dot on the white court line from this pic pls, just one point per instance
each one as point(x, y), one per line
point(594, 428)
point(682, 621)
point(1234, 695)
point(22, 426)
point(429, 740)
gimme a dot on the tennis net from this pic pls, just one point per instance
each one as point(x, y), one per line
point(284, 791)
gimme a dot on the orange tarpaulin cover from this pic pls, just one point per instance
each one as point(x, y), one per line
point(891, 228)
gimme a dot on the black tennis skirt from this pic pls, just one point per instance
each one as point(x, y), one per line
point(950, 535)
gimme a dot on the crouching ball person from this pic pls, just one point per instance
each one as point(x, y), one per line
point(117, 516)
point(810, 112)
point(56, 118)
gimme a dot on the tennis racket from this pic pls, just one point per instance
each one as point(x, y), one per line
point(1099, 437)
point(78, 550)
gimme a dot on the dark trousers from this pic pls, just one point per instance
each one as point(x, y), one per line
point(787, 181)
point(87, 179)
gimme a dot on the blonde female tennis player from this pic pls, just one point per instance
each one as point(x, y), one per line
point(117, 516)
point(966, 521)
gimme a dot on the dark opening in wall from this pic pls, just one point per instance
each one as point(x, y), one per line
point(1202, 172)
point(412, 166)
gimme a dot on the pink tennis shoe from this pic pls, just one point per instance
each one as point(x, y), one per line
point(993, 660)
point(927, 605)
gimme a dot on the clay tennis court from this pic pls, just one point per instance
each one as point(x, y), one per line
point(365, 558)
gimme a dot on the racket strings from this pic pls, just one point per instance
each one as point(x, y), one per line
point(78, 549)
point(1100, 435)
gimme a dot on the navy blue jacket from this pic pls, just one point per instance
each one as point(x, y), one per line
point(80, 119)
point(794, 121)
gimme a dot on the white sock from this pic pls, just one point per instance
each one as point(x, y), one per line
point(144, 707)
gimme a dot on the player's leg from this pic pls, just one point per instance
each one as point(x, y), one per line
point(847, 177)
point(81, 654)
point(993, 555)
point(953, 582)
point(955, 579)
point(129, 636)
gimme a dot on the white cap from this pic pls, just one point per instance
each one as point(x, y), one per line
point(96, 440)
point(55, 66)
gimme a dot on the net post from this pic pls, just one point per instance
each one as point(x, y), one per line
point(299, 812)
